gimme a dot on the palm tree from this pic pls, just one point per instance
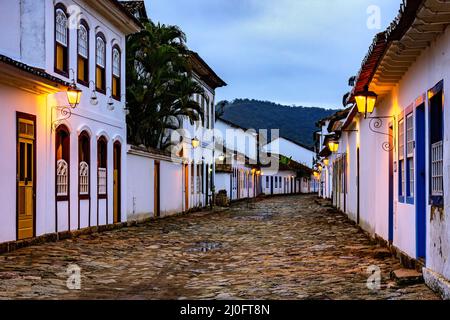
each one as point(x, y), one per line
point(160, 87)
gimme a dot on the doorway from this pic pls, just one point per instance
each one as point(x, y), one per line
point(117, 182)
point(26, 184)
point(358, 188)
point(271, 185)
point(186, 187)
point(420, 183)
point(157, 189)
point(391, 184)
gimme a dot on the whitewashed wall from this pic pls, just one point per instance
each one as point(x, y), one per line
point(290, 149)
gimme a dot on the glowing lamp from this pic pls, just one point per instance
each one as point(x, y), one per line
point(316, 174)
point(74, 95)
point(258, 172)
point(319, 167)
point(365, 101)
point(221, 158)
point(253, 171)
point(326, 162)
point(333, 146)
point(195, 143)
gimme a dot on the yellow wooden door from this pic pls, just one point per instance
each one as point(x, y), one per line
point(25, 179)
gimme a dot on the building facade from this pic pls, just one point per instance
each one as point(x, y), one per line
point(391, 165)
point(63, 164)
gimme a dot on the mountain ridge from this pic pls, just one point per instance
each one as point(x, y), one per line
point(296, 123)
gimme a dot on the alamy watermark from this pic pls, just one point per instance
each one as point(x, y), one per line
point(74, 277)
point(374, 279)
point(374, 17)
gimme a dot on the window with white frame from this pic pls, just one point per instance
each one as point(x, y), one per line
point(61, 41)
point(62, 163)
point(84, 160)
point(100, 59)
point(410, 154)
point(83, 53)
point(102, 167)
point(84, 178)
point(401, 157)
point(62, 180)
point(436, 136)
point(116, 79)
point(437, 174)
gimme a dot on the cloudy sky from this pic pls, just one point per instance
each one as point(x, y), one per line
point(298, 52)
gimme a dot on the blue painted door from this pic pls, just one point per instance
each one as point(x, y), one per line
point(391, 184)
point(420, 182)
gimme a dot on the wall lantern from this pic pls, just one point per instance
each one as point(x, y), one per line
point(258, 172)
point(333, 146)
point(253, 171)
point(221, 157)
point(73, 95)
point(326, 162)
point(319, 167)
point(93, 100)
point(316, 175)
point(195, 143)
point(365, 101)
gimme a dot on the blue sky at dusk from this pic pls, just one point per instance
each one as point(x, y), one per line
point(288, 51)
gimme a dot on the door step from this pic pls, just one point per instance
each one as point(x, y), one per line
point(405, 277)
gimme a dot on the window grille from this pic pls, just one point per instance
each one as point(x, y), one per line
point(83, 42)
point(116, 63)
point(100, 52)
point(61, 27)
point(437, 177)
point(84, 178)
point(102, 181)
point(62, 185)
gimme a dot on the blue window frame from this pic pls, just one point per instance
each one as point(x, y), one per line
point(409, 183)
point(436, 147)
point(401, 161)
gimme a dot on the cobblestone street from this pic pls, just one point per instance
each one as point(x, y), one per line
point(279, 248)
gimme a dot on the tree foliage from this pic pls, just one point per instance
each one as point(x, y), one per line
point(160, 86)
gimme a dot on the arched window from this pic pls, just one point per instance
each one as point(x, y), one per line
point(62, 163)
point(116, 70)
point(61, 40)
point(84, 161)
point(102, 161)
point(100, 73)
point(83, 53)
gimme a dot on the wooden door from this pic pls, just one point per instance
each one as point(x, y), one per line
point(186, 187)
point(117, 182)
point(157, 189)
point(25, 178)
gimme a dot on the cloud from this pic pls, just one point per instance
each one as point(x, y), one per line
point(293, 51)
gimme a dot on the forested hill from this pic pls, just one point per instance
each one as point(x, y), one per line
point(295, 123)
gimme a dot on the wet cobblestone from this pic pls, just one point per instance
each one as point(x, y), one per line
point(278, 248)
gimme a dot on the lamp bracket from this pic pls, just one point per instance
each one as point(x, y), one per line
point(65, 112)
point(375, 124)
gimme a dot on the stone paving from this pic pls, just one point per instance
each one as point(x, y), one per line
point(279, 248)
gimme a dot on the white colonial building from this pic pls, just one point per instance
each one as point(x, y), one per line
point(391, 167)
point(164, 183)
point(291, 149)
point(62, 164)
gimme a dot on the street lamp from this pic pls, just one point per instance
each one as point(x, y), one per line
point(195, 143)
point(326, 162)
point(333, 145)
point(73, 95)
point(365, 101)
